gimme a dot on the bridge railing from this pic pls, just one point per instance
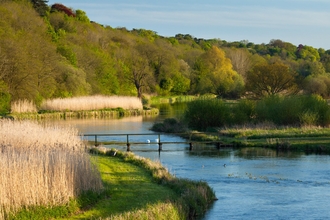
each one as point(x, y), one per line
point(129, 142)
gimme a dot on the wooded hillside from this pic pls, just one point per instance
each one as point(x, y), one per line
point(50, 51)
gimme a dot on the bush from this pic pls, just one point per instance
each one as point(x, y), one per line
point(243, 112)
point(204, 113)
point(294, 110)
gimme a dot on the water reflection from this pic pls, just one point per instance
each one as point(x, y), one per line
point(257, 152)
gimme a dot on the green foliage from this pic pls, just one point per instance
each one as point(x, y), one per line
point(41, 7)
point(68, 53)
point(243, 112)
point(81, 16)
point(292, 110)
point(105, 60)
point(205, 113)
point(4, 98)
point(319, 85)
point(271, 79)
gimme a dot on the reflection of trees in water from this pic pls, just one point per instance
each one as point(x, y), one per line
point(209, 150)
point(174, 110)
point(254, 152)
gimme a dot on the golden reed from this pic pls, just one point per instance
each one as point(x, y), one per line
point(42, 166)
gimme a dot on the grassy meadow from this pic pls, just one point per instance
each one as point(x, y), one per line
point(42, 166)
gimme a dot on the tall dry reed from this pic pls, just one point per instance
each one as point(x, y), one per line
point(97, 102)
point(42, 166)
point(23, 106)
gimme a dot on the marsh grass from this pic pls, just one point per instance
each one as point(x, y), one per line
point(86, 103)
point(23, 106)
point(42, 166)
point(272, 131)
point(314, 139)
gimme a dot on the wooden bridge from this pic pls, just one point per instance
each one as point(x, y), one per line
point(158, 140)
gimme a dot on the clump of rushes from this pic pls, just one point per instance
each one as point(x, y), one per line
point(86, 103)
point(42, 166)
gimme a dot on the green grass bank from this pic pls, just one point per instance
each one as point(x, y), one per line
point(135, 188)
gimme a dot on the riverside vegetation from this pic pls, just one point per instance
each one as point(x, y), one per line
point(46, 172)
point(287, 123)
point(98, 106)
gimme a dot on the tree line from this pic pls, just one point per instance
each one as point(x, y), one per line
point(52, 51)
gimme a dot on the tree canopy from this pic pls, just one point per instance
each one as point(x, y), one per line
point(271, 79)
point(50, 51)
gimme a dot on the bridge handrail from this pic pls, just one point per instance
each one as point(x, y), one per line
point(159, 142)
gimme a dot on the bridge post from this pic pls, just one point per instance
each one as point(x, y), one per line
point(96, 140)
point(160, 145)
point(190, 146)
point(128, 144)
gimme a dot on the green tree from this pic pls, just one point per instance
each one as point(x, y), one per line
point(216, 74)
point(271, 79)
point(319, 84)
point(41, 6)
point(137, 71)
point(82, 16)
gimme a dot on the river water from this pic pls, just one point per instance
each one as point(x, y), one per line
point(249, 183)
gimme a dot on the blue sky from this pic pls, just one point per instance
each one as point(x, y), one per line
point(304, 22)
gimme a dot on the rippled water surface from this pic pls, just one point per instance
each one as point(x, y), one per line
point(249, 183)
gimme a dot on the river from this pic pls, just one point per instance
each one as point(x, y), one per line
point(250, 183)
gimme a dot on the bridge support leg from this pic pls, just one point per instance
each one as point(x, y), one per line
point(128, 147)
point(190, 146)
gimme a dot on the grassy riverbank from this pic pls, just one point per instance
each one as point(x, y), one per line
point(144, 189)
point(135, 188)
point(307, 139)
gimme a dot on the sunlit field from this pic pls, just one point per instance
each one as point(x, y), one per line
point(92, 103)
point(42, 166)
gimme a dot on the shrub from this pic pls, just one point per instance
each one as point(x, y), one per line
point(268, 109)
point(204, 113)
point(243, 112)
point(293, 110)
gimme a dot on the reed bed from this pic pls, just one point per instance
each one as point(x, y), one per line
point(92, 103)
point(23, 106)
point(42, 166)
